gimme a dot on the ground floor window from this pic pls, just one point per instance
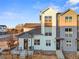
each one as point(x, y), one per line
point(68, 42)
point(68, 34)
point(37, 42)
point(48, 42)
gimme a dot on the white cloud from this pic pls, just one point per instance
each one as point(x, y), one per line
point(42, 6)
point(75, 8)
point(73, 2)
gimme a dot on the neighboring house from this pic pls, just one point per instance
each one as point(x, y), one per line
point(42, 38)
point(30, 26)
point(3, 29)
point(7, 41)
point(4, 41)
point(3, 44)
point(67, 26)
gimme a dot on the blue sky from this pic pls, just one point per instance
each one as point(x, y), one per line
point(13, 12)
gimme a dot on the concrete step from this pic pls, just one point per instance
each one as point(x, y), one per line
point(59, 54)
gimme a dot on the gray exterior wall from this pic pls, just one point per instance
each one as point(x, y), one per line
point(63, 43)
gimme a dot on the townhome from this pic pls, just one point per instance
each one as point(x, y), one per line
point(67, 29)
point(41, 38)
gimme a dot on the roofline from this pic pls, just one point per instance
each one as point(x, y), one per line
point(44, 10)
point(62, 13)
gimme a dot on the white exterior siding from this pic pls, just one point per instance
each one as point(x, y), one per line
point(49, 48)
point(37, 47)
point(49, 12)
point(21, 43)
point(42, 45)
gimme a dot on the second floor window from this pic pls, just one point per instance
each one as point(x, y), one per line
point(48, 34)
point(68, 18)
point(48, 18)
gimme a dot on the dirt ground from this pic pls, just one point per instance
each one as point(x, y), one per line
point(71, 56)
point(36, 56)
point(29, 57)
point(7, 55)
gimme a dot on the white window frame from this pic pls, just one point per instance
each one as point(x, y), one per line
point(48, 42)
point(68, 33)
point(69, 19)
point(69, 43)
point(48, 18)
point(48, 34)
point(37, 42)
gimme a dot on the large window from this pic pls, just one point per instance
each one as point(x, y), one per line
point(68, 19)
point(48, 34)
point(68, 29)
point(48, 42)
point(48, 18)
point(68, 32)
point(37, 42)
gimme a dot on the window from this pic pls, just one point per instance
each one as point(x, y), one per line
point(68, 19)
point(36, 42)
point(68, 32)
point(68, 43)
point(48, 34)
point(48, 17)
point(68, 29)
point(48, 42)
